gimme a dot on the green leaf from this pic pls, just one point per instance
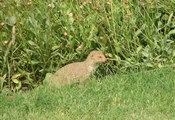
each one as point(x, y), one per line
point(118, 47)
point(16, 81)
point(110, 55)
point(173, 53)
point(33, 21)
point(33, 44)
point(16, 76)
point(17, 2)
point(34, 62)
point(171, 32)
point(18, 86)
point(12, 20)
point(149, 65)
point(117, 58)
point(165, 17)
point(55, 47)
point(138, 32)
point(158, 15)
point(139, 48)
point(145, 54)
point(71, 20)
point(170, 19)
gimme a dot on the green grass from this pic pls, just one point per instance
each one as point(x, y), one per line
point(146, 95)
point(49, 34)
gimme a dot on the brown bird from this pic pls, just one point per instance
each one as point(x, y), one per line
point(78, 72)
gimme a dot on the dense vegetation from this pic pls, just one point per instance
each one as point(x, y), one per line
point(37, 37)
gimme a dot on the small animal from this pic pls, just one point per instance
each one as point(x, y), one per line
point(78, 72)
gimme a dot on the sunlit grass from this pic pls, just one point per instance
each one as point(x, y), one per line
point(144, 95)
point(50, 34)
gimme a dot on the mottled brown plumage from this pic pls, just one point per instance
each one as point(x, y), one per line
point(78, 71)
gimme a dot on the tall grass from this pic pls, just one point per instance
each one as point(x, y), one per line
point(50, 34)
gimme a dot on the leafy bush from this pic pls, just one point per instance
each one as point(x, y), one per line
point(133, 34)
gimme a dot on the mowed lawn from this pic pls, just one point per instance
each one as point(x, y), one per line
point(146, 95)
